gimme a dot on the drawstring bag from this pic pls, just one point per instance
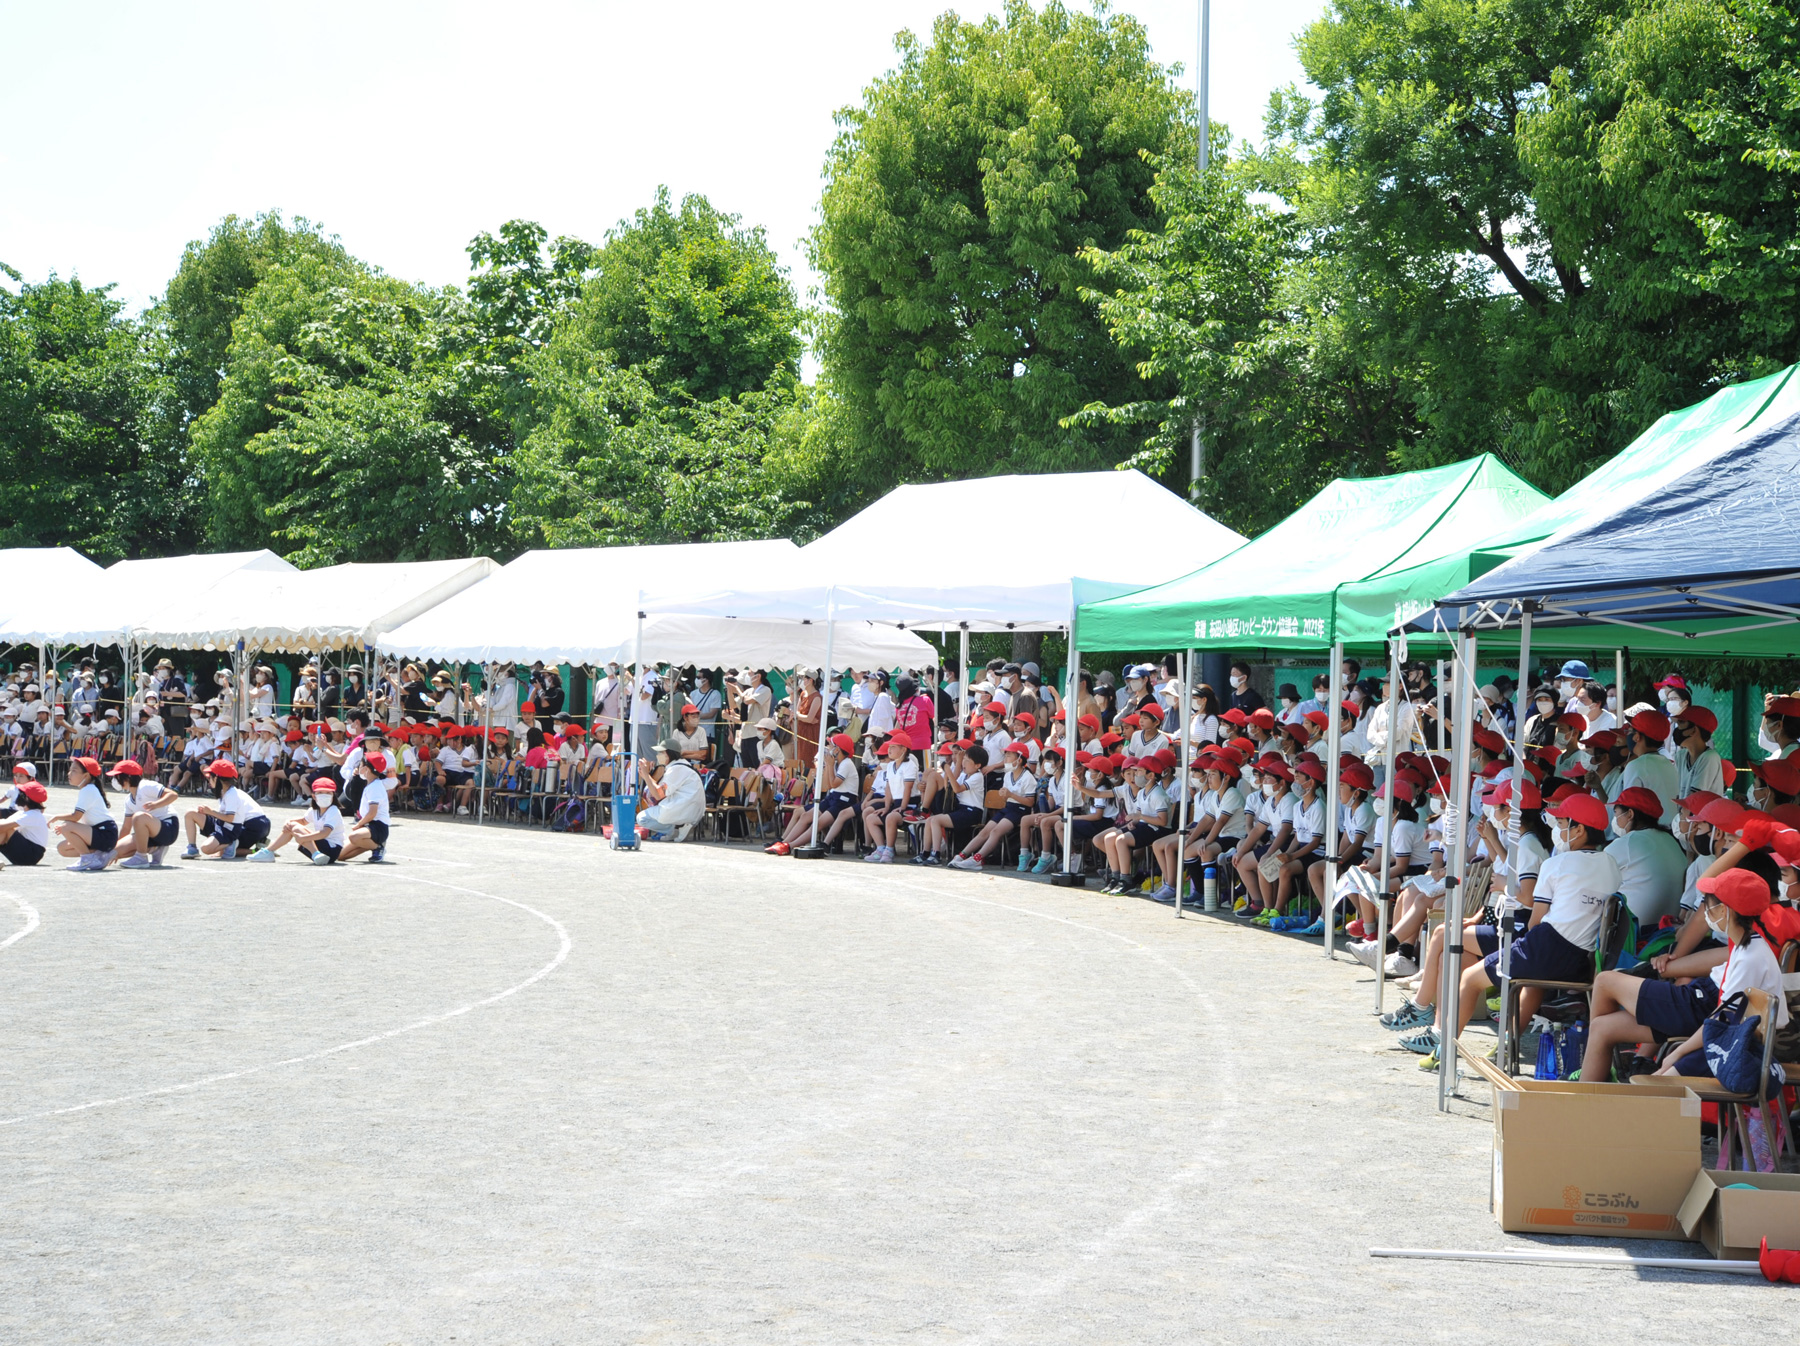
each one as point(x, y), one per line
point(1728, 1040)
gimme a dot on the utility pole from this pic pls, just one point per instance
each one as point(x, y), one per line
point(1197, 456)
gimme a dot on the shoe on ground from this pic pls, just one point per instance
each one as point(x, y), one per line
point(1356, 930)
point(1429, 1061)
point(1422, 1042)
point(1410, 1015)
point(873, 857)
point(135, 862)
point(1045, 861)
point(1364, 951)
point(1240, 907)
point(1314, 931)
point(462, 810)
point(157, 854)
point(377, 855)
point(191, 853)
point(263, 858)
point(933, 858)
point(320, 858)
point(229, 852)
point(884, 856)
point(90, 863)
point(1265, 918)
point(1163, 893)
point(1026, 861)
point(1399, 965)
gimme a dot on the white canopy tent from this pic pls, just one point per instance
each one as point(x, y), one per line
point(580, 606)
point(101, 609)
point(289, 611)
point(39, 576)
point(906, 559)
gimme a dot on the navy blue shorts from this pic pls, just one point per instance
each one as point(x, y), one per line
point(1142, 834)
point(1541, 955)
point(105, 837)
point(835, 802)
point(378, 832)
point(168, 831)
point(1012, 813)
point(1672, 1011)
point(326, 849)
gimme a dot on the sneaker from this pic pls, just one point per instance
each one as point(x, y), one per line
point(1240, 907)
point(320, 858)
point(1365, 951)
point(157, 854)
point(912, 816)
point(884, 856)
point(1045, 862)
point(1355, 930)
point(191, 853)
point(1399, 965)
point(1264, 918)
point(229, 852)
point(1423, 1041)
point(377, 855)
point(90, 863)
point(1026, 860)
point(263, 858)
point(964, 862)
point(462, 810)
point(1314, 931)
point(135, 862)
point(873, 857)
point(1429, 1062)
point(1163, 893)
point(923, 857)
point(1411, 1014)
point(932, 858)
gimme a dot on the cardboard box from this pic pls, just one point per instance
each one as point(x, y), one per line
point(1733, 1223)
point(1611, 1159)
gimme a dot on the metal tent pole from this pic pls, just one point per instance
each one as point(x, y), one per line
point(962, 678)
point(1619, 683)
point(1334, 748)
point(1438, 684)
point(1387, 832)
point(1503, 1057)
point(487, 744)
point(813, 850)
point(1456, 835)
point(47, 691)
point(1068, 878)
point(1184, 709)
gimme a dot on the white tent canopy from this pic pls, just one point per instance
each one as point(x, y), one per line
point(580, 606)
point(908, 559)
point(41, 578)
point(103, 608)
point(287, 611)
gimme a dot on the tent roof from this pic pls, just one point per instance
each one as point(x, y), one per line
point(1708, 561)
point(42, 580)
point(907, 559)
point(332, 607)
point(1286, 589)
point(125, 593)
point(580, 606)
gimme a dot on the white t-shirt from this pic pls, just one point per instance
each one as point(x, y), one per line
point(996, 744)
point(971, 789)
point(143, 798)
point(1753, 966)
point(1531, 863)
point(330, 820)
point(1147, 803)
point(1408, 839)
point(1575, 886)
point(238, 806)
point(32, 825)
point(1356, 820)
point(1652, 872)
point(881, 714)
point(846, 782)
point(1658, 775)
point(450, 757)
point(1020, 782)
point(1231, 805)
point(91, 805)
point(1707, 773)
point(375, 798)
point(895, 775)
point(1309, 819)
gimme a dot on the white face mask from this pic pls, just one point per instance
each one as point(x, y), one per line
point(1381, 808)
point(1560, 842)
point(1238, 679)
point(322, 802)
point(1268, 791)
point(1437, 806)
point(1612, 703)
point(1567, 688)
point(1717, 927)
point(1492, 813)
point(1666, 695)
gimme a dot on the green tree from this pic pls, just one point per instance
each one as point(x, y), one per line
point(350, 423)
point(959, 197)
point(81, 398)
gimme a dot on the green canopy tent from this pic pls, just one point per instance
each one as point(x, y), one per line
point(1284, 589)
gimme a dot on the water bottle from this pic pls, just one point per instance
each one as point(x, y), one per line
point(1546, 1057)
point(1209, 887)
point(1574, 1047)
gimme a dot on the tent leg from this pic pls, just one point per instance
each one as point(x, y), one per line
point(1619, 684)
point(1387, 832)
point(1072, 704)
point(487, 743)
point(1505, 1053)
point(962, 678)
point(813, 850)
point(1334, 748)
point(1457, 841)
point(1184, 708)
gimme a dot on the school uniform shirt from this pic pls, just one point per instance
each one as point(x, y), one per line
point(90, 804)
point(1690, 881)
point(1707, 772)
point(34, 826)
point(409, 758)
point(143, 798)
point(1356, 820)
point(1354, 741)
point(1147, 747)
point(846, 781)
point(1408, 840)
point(1575, 886)
point(238, 806)
point(375, 797)
point(1309, 820)
point(893, 776)
point(1652, 873)
point(1021, 782)
point(1531, 857)
point(330, 820)
point(996, 744)
point(1753, 967)
point(971, 789)
point(450, 758)
point(1282, 812)
point(1658, 775)
point(1053, 791)
point(1142, 804)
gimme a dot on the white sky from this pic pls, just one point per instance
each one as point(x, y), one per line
point(408, 128)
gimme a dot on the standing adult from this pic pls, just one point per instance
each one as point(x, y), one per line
point(809, 710)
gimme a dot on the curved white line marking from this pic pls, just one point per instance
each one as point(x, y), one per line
point(31, 921)
point(562, 953)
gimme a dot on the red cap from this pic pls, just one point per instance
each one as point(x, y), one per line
point(1127, 764)
point(995, 707)
point(1651, 724)
point(1698, 800)
point(945, 749)
point(1054, 750)
point(1739, 889)
point(1312, 770)
point(1235, 716)
point(1502, 794)
point(1673, 680)
point(1021, 746)
point(1164, 759)
point(1701, 718)
point(1562, 792)
point(1784, 705)
point(1028, 717)
point(1089, 722)
point(1263, 718)
point(1357, 776)
point(1110, 740)
point(1060, 717)
point(1153, 710)
point(88, 765)
point(1399, 788)
point(294, 736)
point(960, 743)
point(127, 768)
point(376, 763)
point(1603, 739)
point(690, 708)
point(898, 738)
point(1275, 766)
point(1083, 758)
point(34, 791)
point(1130, 719)
point(1788, 815)
point(528, 708)
point(222, 769)
point(1570, 720)
point(324, 785)
point(1581, 808)
point(1242, 746)
point(844, 744)
point(1779, 773)
point(574, 731)
point(1644, 801)
point(1488, 740)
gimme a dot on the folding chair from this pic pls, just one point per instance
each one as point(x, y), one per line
point(1614, 921)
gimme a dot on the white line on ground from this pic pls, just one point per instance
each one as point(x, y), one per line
point(562, 953)
point(31, 921)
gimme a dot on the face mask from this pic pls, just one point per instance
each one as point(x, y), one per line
point(1381, 808)
point(1703, 843)
point(1492, 813)
point(1268, 791)
point(1567, 689)
point(1238, 680)
point(1545, 707)
point(322, 802)
point(1612, 703)
point(1560, 842)
point(1437, 806)
point(1717, 927)
point(1666, 695)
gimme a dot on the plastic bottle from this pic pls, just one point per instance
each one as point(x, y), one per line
point(1209, 886)
point(1546, 1057)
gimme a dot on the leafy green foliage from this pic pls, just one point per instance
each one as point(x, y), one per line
point(959, 198)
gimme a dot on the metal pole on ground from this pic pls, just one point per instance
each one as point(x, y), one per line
point(1504, 1054)
point(1184, 708)
point(1072, 701)
point(1456, 843)
point(813, 850)
point(1438, 685)
point(962, 677)
point(1387, 831)
point(47, 693)
point(1334, 748)
point(487, 742)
